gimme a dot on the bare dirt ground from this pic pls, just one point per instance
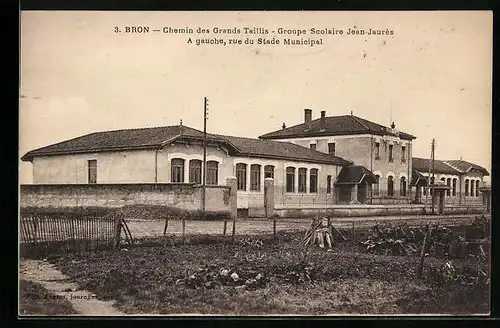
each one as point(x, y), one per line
point(83, 301)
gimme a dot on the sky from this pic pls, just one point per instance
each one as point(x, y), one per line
point(432, 77)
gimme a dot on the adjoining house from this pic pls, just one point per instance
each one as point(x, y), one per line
point(463, 178)
point(323, 162)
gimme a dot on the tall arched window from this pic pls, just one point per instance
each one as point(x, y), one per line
point(290, 179)
point(269, 171)
point(177, 170)
point(195, 171)
point(241, 176)
point(454, 187)
point(448, 183)
point(466, 187)
point(471, 188)
point(302, 179)
point(255, 177)
point(402, 187)
point(313, 181)
point(477, 188)
point(212, 173)
point(390, 186)
point(376, 186)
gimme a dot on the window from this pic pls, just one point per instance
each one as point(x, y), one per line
point(302, 179)
point(466, 187)
point(290, 179)
point(241, 176)
point(212, 173)
point(402, 186)
point(195, 171)
point(313, 181)
point(425, 190)
point(328, 184)
point(390, 186)
point(312, 146)
point(448, 183)
point(92, 167)
point(376, 185)
point(477, 188)
point(403, 154)
point(331, 148)
point(255, 177)
point(471, 188)
point(269, 171)
point(391, 157)
point(377, 150)
point(177, 170)
point(454, 187)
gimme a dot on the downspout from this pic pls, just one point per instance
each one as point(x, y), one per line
point(156, 164)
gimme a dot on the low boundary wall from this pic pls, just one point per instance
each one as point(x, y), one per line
point(183, 196)
point(372, 210)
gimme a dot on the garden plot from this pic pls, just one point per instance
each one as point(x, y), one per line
point(262, 275)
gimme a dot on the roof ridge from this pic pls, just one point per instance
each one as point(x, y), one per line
point(357, 120)
point(452, 166)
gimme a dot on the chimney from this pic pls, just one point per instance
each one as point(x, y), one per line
point(307, 116)
point(283, 126)
point(323, 115)
point(393, 125)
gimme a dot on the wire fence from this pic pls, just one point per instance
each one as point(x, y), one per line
point(41, 235)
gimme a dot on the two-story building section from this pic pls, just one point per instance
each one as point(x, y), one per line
point(381, 155)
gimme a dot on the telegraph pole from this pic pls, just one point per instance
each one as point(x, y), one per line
point(433, 148)
point(205, 109)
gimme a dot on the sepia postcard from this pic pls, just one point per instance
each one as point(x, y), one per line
point(255, 163)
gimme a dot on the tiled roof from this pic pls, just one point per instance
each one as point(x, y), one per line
point(114, 140)
point(149, 138)
point(269, 148)
point(416, 176)
point(354, 174)
point(335, 125)
point(448, 166)
point(423, 165)
point(465, 166)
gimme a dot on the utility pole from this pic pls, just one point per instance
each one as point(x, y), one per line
point(205, 109)
point(433, 148)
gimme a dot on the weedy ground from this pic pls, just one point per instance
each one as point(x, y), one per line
point(262, 275)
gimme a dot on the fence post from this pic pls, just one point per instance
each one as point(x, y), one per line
point(183, 229)
point(353, 232)
point(166, 226)
point(269, 197)
point(420, 267)
point(274, 227)
point(232, 183)
point(118, 230)
point(225, 228)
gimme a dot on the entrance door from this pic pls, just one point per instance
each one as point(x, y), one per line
point(362, 192)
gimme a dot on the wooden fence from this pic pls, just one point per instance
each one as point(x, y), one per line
point(56, 234)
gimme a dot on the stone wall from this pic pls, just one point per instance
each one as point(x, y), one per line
point(182, 196)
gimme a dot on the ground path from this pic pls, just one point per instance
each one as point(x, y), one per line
point(83, 301)
point(154, 228)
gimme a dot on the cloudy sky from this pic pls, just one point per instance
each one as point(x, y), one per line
point(432, 76)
